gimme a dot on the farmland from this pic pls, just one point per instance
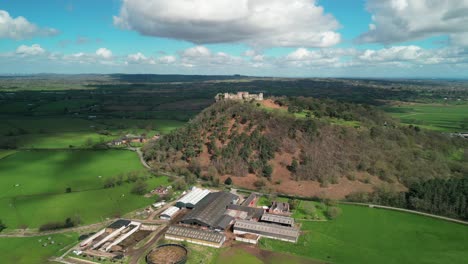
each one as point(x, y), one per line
point(367, 235)
point(440, 117)
point(31, 250)
point(33, 186)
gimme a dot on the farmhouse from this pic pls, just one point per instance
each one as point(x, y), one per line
point(169, 213)
point(196, 236)
point(279, 208)
point(290, 234)
point(245, 96)
point(192, 198)
point(210, 211)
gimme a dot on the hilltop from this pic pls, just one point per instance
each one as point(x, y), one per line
point(306, 146)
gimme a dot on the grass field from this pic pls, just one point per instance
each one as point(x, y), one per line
point(33, 184)
point(365, 235)
point(63, 132)
point(446, 118)
point(28, 250)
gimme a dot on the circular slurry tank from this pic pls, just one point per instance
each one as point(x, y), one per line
point(167, 254)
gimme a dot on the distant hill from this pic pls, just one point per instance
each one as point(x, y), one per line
point(306, 146)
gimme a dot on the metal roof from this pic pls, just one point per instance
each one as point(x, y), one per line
point(210, 209)
point(249, 199)
point(266, 229)
point(251, 212)
point(192, 233)
point(280, 219)
point(119, 223)
point(194, 196)
point(170, 211)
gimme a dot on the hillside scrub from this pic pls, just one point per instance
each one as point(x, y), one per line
point(241, 138)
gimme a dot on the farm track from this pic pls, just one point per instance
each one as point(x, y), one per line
point(30, 233)
point(409, 211)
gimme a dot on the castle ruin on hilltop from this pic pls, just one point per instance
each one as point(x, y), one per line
point(245, 96)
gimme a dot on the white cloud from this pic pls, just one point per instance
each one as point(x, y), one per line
point(198, 51)
point(404, 20)
point(167, 59)
point(259, 23)
point(104, 53)
point(20, 28)
point(32, 50)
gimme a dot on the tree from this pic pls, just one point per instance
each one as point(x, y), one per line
point(68, 190)
point(228, 181)
point(293, 167)
point(109, 182)
point(140, 187)
point(267, 170)
point(333, 212)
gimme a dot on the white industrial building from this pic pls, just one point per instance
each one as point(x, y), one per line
point(192, 198)
point(169, 213)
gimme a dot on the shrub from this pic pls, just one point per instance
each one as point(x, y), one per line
point(228, 181)
point(140, 187)
point(333, 212)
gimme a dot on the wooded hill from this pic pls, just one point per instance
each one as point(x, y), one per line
point(306, 139)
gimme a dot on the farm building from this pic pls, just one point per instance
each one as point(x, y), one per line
point(192, 198)
point(196, 236)
point(251, 200)
point(277, 219)
point(111, 236)
point(210, 211)
point(169, 213)
point(279, 208)
point(284, 233)
point(244, 212)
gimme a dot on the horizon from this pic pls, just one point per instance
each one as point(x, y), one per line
point(306, 39)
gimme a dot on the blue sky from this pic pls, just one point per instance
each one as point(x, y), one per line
point(353, 38)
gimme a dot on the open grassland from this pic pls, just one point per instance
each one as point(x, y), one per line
point(63, 132)
point(440, 117)
point(28, 250)
point(33, 186)
point(368, 235)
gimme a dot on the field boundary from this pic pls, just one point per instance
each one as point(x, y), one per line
point(408, 211)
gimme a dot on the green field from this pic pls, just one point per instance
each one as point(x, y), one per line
point(446, 118)
point(33, 184)
point(63, 132)
point(365, 235)
point(28, 250)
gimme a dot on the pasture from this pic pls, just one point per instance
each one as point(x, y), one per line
point(31, 250)
point(63, 132)
point(368, 235)
point(33, 186)
point(440, 117)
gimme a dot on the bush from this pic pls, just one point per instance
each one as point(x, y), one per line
point(333, 212)
point(140, 187)
point(2, 226)
point(259, 183)
point(68, 190)
point(228, 181)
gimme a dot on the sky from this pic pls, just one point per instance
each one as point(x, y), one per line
point(290, 38)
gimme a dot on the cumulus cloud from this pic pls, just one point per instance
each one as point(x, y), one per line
point(259, 23)
point(404, 20)
point(104, 53)
point(32, 50)
point(20, 28)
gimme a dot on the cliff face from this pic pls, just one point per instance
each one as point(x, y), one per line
point(302, 146)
